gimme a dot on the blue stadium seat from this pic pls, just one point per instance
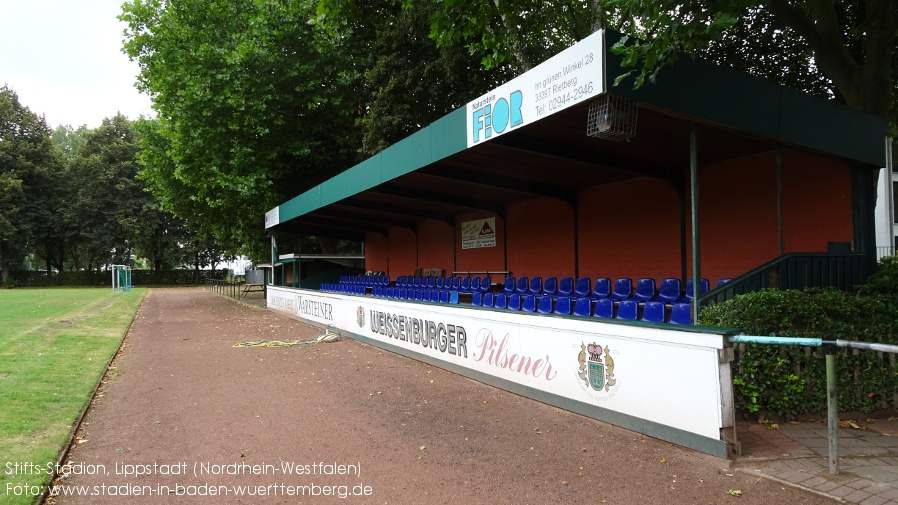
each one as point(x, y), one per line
point(604, 308)
point(536, 286)
point(439, 283)
point(529, 303)
point(563, 305)
point(453, 297)
point(623, 289)
point(669, 292)
point(681, 313)
point(628, 309)
point(522, 286)
point(653, 312)
point(425, 295)
point(565, 287)
point(583, 287)
point(705, 286)
point(403, 293)
point(645, 290)
point(485, 284)
point(435, 295)
point(456, 284)
point(721, 282)
point(544, 304)
point(475, 284)
point(465, 285)
point(444, 296)
point(602, 288)
point(510, 285)
point(501, 301)
point(477, 299)
point(488, 299)
point(583, 307)
point(514, 302)
point(550, 286)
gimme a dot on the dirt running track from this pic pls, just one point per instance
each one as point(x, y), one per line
point(181, 397)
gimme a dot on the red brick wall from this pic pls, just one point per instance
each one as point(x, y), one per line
point(403, 251)
point(816, 202)
point(737, 215)
point(541, 238)
point(376, 256)
point(631, 229)
point(480, 259)
point(436, 246)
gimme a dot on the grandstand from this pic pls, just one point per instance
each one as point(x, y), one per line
point(571, 222)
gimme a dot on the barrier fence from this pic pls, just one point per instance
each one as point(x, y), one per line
point(227, 288)
point(829, 349)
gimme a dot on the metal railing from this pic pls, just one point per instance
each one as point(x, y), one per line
point(795, 271)
point(227, 288)
point(829, 349)
point(883, 251)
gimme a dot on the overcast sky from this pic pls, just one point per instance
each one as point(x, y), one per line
point(64, 60)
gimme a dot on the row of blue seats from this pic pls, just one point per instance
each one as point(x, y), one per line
point(366, 280)
point(416, 294)
point(669, 291)
point(348, 289)
point(461, 284)
point(652, 311)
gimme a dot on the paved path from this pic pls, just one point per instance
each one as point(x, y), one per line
point(798, 454)
point(181, 398)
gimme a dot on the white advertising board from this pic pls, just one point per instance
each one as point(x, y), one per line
point(478, 233)
point(570, 77)
point(272, 217)
point(668, 377)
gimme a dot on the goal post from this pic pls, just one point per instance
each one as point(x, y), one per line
point(121, 278)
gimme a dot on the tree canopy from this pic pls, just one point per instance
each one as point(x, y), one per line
point(842, 50)
point(28, 167)
point(275, 96)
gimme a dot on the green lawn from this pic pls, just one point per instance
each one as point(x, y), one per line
point(54, 347)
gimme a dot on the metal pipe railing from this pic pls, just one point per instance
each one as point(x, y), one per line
point(829, 349)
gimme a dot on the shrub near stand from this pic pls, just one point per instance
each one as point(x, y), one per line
point(788, 381)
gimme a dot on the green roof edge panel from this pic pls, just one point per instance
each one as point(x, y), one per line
point(733, 99)
point(444, 137)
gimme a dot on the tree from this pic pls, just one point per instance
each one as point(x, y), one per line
point(108, 206)
point(851, 44)
point(408, 80)
point(28, 164)
point(260, 107)
point(276, 96)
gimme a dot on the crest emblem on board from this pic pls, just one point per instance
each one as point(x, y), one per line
point(360, 316)
point(596, 367)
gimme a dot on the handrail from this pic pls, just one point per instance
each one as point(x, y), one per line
point(795, 271)
point(829, 351)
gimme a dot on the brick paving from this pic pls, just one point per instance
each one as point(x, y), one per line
point(798, 454)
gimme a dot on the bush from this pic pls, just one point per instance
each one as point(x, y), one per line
point(104, 278)
point(788, 381)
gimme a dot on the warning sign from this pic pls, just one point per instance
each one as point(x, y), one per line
point(479, 233)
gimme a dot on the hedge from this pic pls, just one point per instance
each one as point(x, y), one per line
point(789, 381)
point(104, 278)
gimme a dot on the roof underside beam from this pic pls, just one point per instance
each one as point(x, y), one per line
point(504, 182)
point(423, 197)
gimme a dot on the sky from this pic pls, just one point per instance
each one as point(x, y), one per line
point(64, 60)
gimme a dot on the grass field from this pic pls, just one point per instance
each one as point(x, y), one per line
point(54, 347)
